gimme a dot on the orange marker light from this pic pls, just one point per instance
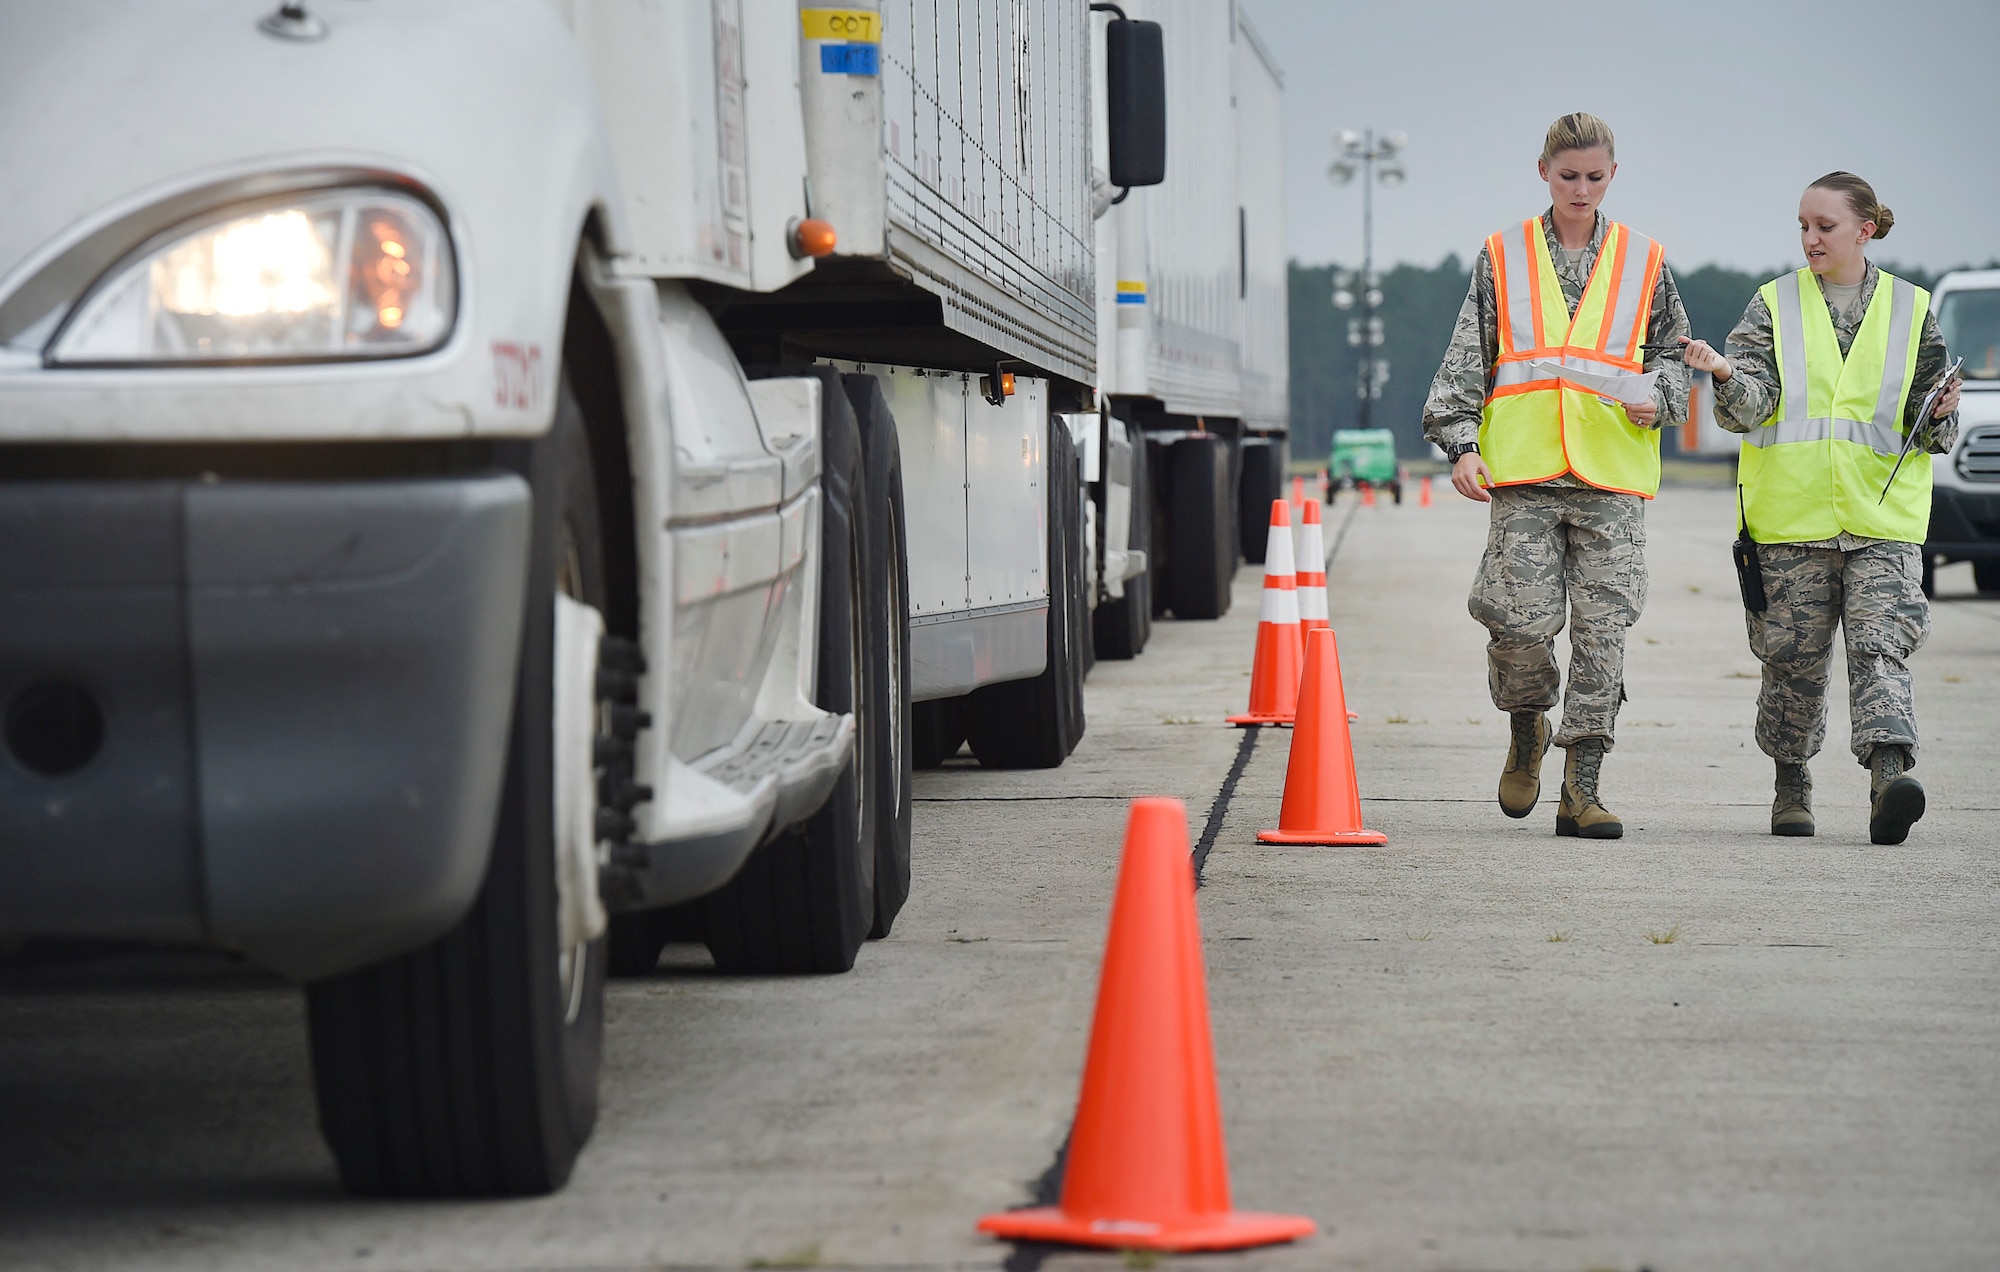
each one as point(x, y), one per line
point(1007, 384)
point(813, 237)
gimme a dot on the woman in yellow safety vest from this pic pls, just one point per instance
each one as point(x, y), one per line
point(1825, 377)
point(1549, 405)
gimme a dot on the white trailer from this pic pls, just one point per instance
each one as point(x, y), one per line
point(1193, 319)
point(485, 485)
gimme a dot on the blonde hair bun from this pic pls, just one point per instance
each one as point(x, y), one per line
point(1578, 131)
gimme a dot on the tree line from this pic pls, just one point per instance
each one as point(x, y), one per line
point(1419, 304)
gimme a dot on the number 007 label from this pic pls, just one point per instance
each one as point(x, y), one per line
point(859, 25)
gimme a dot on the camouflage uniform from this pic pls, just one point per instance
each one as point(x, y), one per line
point(1872, 588)
point(1561, 539)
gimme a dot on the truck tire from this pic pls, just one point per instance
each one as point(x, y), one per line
point(889, 625)
point(937, 731)
point(1986, 576)
point(469, 1067)
point(1036, 723)
point(1159, 532)
point(1262, 482)
point(1200, 526)
point(805, 901)
point(1121, 627)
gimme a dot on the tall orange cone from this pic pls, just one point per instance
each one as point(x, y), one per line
point(1274, 670)
point(1298, 492)
point(1146, 1166)
point(1424, 495)
point(1322, 798)
point(1368, 496)
point(1311, 572)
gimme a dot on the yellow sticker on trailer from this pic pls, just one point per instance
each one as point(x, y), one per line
point(861, 26)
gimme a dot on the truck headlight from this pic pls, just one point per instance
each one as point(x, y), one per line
point(346, 274)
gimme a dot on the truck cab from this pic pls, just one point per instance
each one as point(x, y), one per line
point(1965, 482)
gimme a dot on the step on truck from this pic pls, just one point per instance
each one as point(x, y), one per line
point(485, 487)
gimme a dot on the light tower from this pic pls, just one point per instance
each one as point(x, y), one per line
point(1362, 154)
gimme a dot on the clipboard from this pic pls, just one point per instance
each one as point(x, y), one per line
point(1923, 422)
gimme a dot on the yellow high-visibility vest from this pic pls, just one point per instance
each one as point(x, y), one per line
point(1818, 465)
point(1537, 423)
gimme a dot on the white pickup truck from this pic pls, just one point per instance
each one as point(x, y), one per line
point(487, 486)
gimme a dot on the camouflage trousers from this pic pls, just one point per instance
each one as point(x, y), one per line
point(1550, 548)
point(1875, 593)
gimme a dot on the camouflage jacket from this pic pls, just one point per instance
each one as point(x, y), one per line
point(1458, 391)
point(1750, 395)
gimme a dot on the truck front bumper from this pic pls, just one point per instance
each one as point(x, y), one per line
point(267, 716)
point(1965, 524)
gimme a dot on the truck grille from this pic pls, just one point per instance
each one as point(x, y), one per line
point(1979, 455)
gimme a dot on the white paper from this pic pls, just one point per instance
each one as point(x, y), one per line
point(1619, 386)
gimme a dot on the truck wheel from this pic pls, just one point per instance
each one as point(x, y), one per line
point(1159, 533)
point(469, 1067)
point(1262, 482)
point(1121, 627)
point(805, 901)
point(1036, 723)
point(1200, 526)
point(1396, 491)
point(889, 621)
point(1986, 576)
point(937, 731)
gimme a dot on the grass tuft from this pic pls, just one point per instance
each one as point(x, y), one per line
point(1398, 718)
point(1134, 1257)
point(1559, 936)
point(1667, 937)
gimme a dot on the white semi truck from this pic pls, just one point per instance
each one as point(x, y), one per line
point(487, 485)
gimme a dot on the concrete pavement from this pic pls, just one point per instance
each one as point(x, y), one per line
point(1475, 1047)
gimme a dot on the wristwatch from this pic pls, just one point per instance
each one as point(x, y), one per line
point(1456, 453)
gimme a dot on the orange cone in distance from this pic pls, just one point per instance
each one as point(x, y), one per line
point(1368, 496)
point(1274, 669)
point(1311, 572)
point(1424, 495)
point(1322, 797)
point(1147, 1166)
point(1298, 492)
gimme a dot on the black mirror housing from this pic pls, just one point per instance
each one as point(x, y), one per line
point(1135, 78)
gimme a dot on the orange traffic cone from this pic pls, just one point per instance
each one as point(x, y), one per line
point(1298, 492)
point(1322, 799)
point(1274, 670)
point(1424, 494)
point(1312, 572)
point(1368, 496)
point(1146, 1165)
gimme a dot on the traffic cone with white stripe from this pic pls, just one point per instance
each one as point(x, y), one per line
point(1312, 573)
point(1274, 674)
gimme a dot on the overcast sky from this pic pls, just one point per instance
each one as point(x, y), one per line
point(1721, 120)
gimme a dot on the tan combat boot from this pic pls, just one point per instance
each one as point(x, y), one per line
point(1896, 800)
point(1579, 813)
point(1791, 811)
point(1521, 780)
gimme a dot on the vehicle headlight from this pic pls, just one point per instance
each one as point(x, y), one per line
point(346, 274)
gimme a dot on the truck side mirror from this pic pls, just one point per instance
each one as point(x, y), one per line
point(1135, 79)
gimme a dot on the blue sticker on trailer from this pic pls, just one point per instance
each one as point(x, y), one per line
point(850, 59)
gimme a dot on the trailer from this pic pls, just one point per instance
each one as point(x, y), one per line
point(1193, 357)
point(489, 485)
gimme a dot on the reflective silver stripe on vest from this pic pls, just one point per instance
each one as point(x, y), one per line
point(1792, 423)
point(1519, 259)
point(1625, 315)
point(1883, 441)
point(1526, 370)
point(1889, 402)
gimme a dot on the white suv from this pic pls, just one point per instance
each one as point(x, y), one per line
point(1965, 501)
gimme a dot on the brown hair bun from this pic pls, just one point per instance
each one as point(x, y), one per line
point(1860, 197)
